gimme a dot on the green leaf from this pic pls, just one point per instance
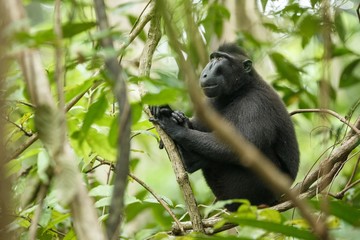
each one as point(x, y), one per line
point(309, 26)
point(285, 68)
point(114, 132)
point(340, 27)
point(136, 112)
point(351, 74)
point(163, 97)
point(56, 219)
point(343, 211)
point(99, 143)
point(313, 2)
point(69, 30)
point(72, 91)
point(96, 111)
point(72, 29)
point(273, 227)
point(263, 4)
point(102, 191)
point(338, 51)
point(103, 202)
point(273, 27)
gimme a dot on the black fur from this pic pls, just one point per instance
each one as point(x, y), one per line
point(243, 98)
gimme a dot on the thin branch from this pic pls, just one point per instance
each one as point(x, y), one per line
point(160, 200)
point(51, 229)
point(138, 27)
point(25, 103)
point(333, 162)
point(36, 218)
point(328, 111)
point(140, 16)
point(24, 146)
point(123, 145)
point(349, 185)
point(144, 185)
point(353, 172)
point(208, 224)
point(29, 134)
point(59, 64)
point(347, 188)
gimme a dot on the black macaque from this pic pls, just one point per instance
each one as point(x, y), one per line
point(234, 88)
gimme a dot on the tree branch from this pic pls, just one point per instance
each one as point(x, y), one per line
point(327, 111)
point(139, 26)
point(160, 200)
point(182, 178)
point(123, 153)
point(334, 162)
point(5, 182)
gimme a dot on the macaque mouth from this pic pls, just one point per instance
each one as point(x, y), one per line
point(210, 86)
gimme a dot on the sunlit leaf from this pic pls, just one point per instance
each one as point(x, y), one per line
point(96, 111)
point(285, 68)
point(351, 74)
point(103, 202)
point(308, 27)
point(100, 144)
point(69, 30)
point(74, 90)
point(102, 191)
point(343, 211)
point(163, 97)
point(339, 24)
point(263, 4)
point(273, 227)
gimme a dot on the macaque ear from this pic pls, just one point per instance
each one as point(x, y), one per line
point(247, 64)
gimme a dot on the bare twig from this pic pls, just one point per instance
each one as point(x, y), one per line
point(36, 218)
point(160, 200)
point(25, 103)
point(144, 185)
point(59, 64)
point(333, 162)
point(21, 128)
point(140, 17)
point(138, 27)
point(208, 224)
point(24, 146)
point(328, 111)
point(349, 184)
point(353, 172)
point(123, 147)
